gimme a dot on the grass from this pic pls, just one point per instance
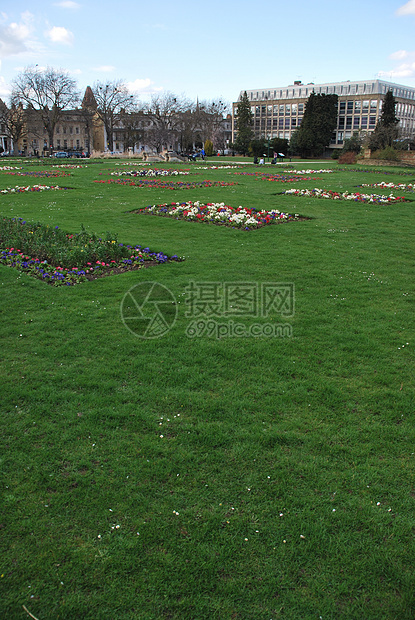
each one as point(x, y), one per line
point(283, 485)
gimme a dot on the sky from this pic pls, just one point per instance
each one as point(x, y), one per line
point(208, 50)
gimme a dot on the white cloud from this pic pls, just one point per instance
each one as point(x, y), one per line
point(5, 91)
point(68, 4)
point(405, 70)
point(402, 70)
point(400, 55)
point(143, 87)
point(15, 37)
point(59, 34)
point(104, 69)
point(407, 9)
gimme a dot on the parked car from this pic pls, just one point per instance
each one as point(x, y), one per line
point(61, 154)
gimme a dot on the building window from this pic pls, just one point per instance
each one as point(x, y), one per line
point(287, 123)
point(287, 109)
point(58, 129)
point(341, 122)
point(76, 129)
point(372, 121)
point(275, 110)
point(294, 108)
point(356, 122)
point(268, 123)
point(293, 123)
point(373, 105)
point(364, 122)
point(365, 106)
point(280, 123)
point(348, 122)
point(58, 143)
point(281, 108)
point(263, 110)
point(342, 107)
point(300, 108)
point(275, 123)
point(357, 106)
point(71, 129)
point(269, 110)
point(257, 110)
point(350, 107)
point(64, 129)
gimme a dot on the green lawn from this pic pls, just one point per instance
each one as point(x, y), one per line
point(194, 478)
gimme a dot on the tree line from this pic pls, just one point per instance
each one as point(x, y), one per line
point(49, 93)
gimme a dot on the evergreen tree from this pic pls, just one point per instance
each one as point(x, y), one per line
point(386, 131)
point(319, 122)
point(245, 123)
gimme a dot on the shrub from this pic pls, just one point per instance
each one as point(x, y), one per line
point(335, 154)
point(347, 158)
point(388, 153)
point(209, 148)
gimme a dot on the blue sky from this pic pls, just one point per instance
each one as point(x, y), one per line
point(210, 50)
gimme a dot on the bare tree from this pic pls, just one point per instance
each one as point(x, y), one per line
point(210, 121)
point(131, 128)
point(49, 92)
point(113, 100)
point(165, 112)
point(12, 121)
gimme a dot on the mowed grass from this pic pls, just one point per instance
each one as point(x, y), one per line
point(195, 478)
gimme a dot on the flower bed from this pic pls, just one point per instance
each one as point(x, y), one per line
point(284, 178)
point(410, 187)
point(310, 171)
point(215, 167)
point(10, 168)
point(167, 184)
point(41, 173)
point(219, 213)
point(153, 172)
point(60, 258)
point(30, 188)
point(354, 197)
point(72, 166)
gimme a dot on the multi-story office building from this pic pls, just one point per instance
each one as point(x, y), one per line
point(278, 112)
